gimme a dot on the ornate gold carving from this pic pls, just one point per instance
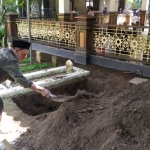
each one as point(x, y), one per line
point(22, 27)
point(143, 12)
point(122, 42)
point(59, 33)
point(105, 19)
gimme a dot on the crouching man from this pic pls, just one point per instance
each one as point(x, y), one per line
point(9, 68)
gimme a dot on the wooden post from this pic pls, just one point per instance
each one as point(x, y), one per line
point(142, 17)
point(11, 25)
point(7, 145)
point(113, 18)
point(84, 38)
point(99, 17)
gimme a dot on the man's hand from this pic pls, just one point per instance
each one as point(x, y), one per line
point(45, 93)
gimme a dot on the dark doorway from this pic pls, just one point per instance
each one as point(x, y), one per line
point(46, 10)
point(96, 5)
point(121, 4)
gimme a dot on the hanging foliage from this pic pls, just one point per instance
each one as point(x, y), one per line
point(6, 6)
point(136, 4)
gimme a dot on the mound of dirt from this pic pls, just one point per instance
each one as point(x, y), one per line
point(118, 118)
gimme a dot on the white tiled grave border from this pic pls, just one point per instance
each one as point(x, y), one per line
point(14, 91)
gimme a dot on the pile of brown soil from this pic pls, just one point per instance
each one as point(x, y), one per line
point(117, 119)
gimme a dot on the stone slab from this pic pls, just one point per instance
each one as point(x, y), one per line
point(2, 87)
point(77, 73)
point(137, 80)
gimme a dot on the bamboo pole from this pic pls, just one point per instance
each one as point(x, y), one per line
point(7, 145)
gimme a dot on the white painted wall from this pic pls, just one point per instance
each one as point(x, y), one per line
point(64, 6)
point(113, 5)
point(145, 4)
point(102, 5)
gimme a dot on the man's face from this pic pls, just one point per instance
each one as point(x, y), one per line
point(22, 54)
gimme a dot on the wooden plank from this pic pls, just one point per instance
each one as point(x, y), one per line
point(7, 145)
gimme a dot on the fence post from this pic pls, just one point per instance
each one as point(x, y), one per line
point(142, 18)
point(113, 18)
point(84, 38)
point(11, 25)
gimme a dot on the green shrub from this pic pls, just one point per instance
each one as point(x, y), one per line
point(35, 67)
point(2, 33)
point(25, 61)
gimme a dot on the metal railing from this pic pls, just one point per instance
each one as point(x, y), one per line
point(124, 42)
point(55, 33)
point(115, 41)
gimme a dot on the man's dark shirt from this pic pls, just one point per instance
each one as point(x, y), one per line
point(9, 68)
point(105, 12)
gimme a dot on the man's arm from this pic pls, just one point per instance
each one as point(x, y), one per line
point(12, 68)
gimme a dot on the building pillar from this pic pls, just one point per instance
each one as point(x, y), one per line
point(64, 10)
point(99, 17)
point(84, 38)
point(113, 12)
point(11, 25)
point(144, 9)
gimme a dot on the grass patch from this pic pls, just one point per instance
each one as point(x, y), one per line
point(25, 61)
point(35, 67)
point(25, 65)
